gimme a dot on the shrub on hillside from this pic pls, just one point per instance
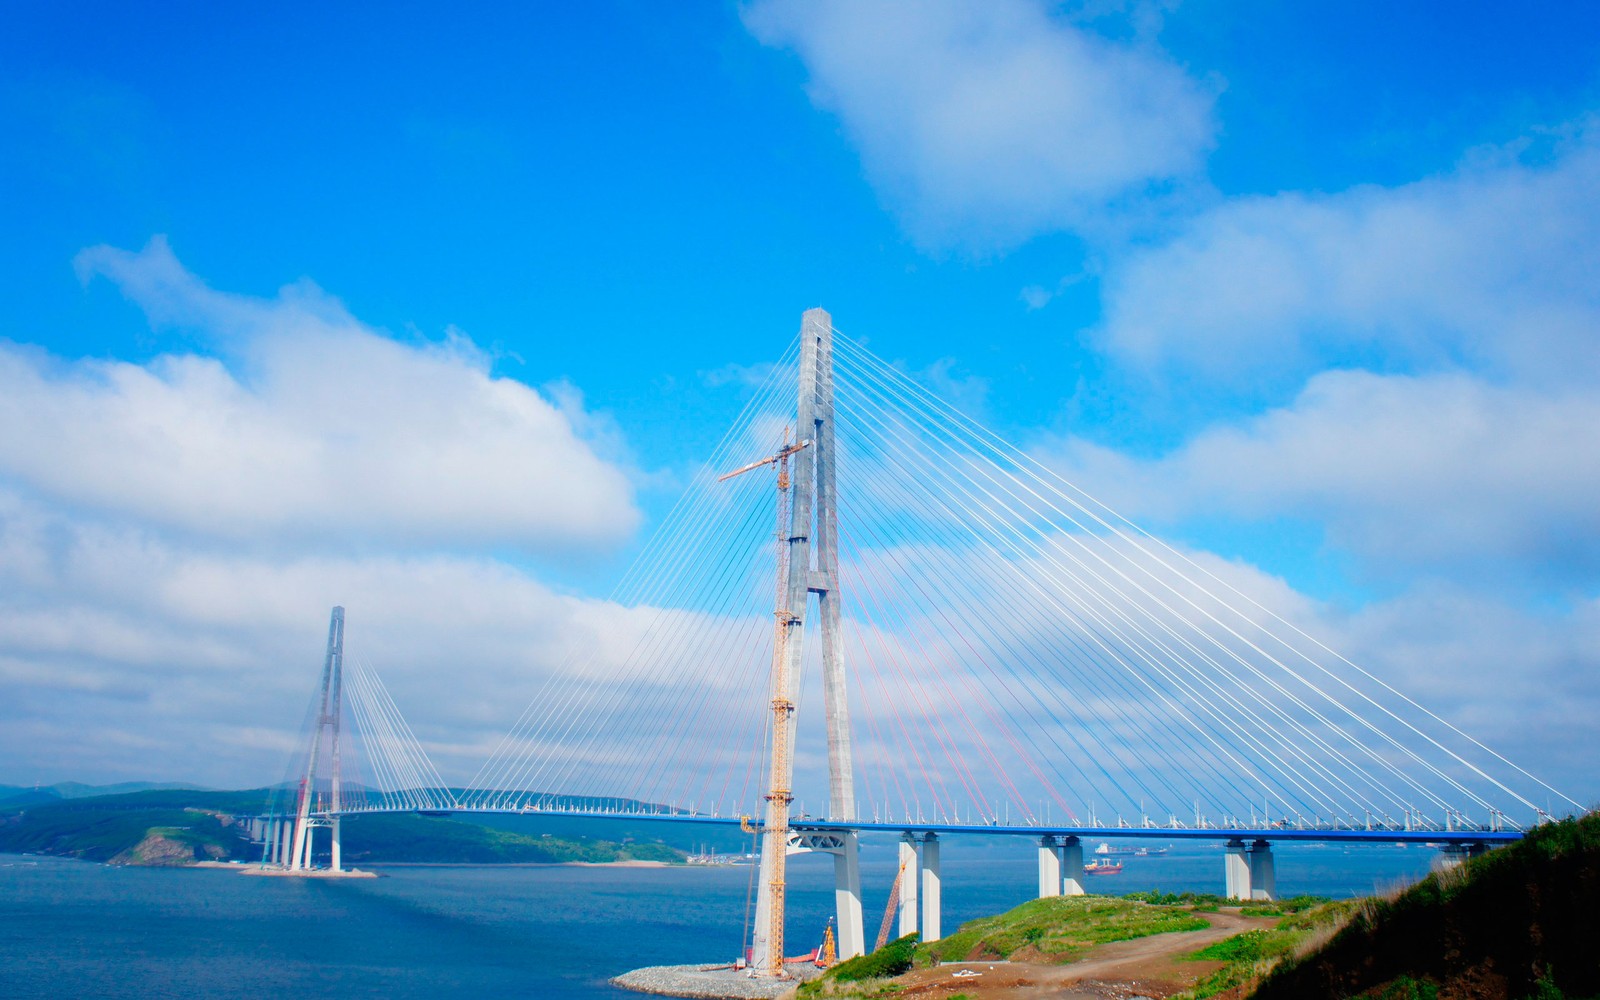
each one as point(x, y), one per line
point(890, 960)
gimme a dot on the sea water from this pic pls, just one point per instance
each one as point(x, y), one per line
point(78, 929)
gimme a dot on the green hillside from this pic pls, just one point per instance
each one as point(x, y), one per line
point(1521, 921)
point(177, 827)
point(401, 837)
point(1058, 929)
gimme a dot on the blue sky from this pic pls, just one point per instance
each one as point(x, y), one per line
point(1309, 288)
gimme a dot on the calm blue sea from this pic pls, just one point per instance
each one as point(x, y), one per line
point(76, 929)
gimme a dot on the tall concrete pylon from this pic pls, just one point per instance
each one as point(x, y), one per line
point(814, 569)
point(328, 715)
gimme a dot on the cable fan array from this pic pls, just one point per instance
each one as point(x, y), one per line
point(1017, 653)
point(378, 761)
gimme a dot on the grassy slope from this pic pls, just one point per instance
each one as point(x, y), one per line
point(1246, 957)
point(1058, 929)
point(1494, 928)
point(111, 827)
point(863, 975)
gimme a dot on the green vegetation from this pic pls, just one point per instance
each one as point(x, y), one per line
point(1519, 922)
point(145, 831)
point(404, 838)
point(1058, 929)
point(1406, 988)
point(178, 827)
point(865, 975)
point(1250, 955)
point(1205, 902)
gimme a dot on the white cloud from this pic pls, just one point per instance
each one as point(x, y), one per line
point(987, 121)
point(1446, 475)
point(320, 429)
point(207, 657)
point(1487, 267)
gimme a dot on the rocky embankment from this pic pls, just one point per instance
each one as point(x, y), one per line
point(712, 982)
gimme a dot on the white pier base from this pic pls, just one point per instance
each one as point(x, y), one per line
point(1049, 867)
point(1071, 866)
point(852, 937)
point(930, 887)
point(1263, 872)
point(1236, 871)
point(843, 845)
point(910, 875)
point(1251, 874)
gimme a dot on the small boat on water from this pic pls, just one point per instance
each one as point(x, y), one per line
point(1100, 866)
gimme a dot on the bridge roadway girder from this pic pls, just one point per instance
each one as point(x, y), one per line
point(1489, 838)
point(1087, 832)
point(1249, 869)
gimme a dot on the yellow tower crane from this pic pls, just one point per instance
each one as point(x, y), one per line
point(778, 794)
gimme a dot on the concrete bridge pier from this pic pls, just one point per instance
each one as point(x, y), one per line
point(843, 845)
point(930, 887)
point(1263, 872)
point(847, 898)
point(1453, 855)
point(285, 839)
point(1072, 866)
point(1236, 870)
point(1049, 867)
point(335, 863)
point(910, 876)
point(1250, 872)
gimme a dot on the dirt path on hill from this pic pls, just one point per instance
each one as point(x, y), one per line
point(1144, 967)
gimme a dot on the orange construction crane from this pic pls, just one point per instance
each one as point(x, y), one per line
point(775, 832)
point(828, 953)
point(888, 911)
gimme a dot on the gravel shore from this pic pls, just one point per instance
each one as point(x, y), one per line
point(711, 982)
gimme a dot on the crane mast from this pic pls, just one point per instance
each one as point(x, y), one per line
point(779, 795)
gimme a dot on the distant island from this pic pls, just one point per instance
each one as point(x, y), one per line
point(167, 826)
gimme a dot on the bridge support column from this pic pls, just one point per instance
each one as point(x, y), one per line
point(930, 887)
point(1049, 867)
point(1263, 872)
point(1453, 855)
point(1236, 871)
point(852, 937)
point(285, 837)
point(910, 875)
point(1072, 866)
point(336, 859)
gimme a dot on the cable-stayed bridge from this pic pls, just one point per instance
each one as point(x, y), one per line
point(869, 613)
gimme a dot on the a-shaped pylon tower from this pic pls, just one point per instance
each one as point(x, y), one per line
point(810, 569)
point(324, 730)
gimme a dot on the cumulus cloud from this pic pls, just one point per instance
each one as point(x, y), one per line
point(173, 533)
point(984, 123)
point(309, 426)
point(1446, 475)
point(1489, 266)
point(205, 657)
